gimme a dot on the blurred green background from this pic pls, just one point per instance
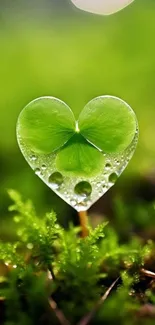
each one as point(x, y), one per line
point(52, 48)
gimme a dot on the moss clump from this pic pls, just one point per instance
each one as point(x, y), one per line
point(49, 266)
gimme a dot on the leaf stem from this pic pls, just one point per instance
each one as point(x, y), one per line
point(51, 271)
point(83, 217)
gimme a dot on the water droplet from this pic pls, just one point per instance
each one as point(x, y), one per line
point(81, 206)
point(83, 189)
point(73, 202)
point(107, 166)
point(56, 179)
point(43, 167)
point(33, 157)
point(37, 171)
point(113, 178)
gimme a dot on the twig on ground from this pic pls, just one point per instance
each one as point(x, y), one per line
point(148, 273)
point(59, 314)
point(90, 315)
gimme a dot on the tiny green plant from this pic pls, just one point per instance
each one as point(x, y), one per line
point(79, 160)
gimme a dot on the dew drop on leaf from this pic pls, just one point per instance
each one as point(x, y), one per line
point(56, 179)
point(113, 178)
point(117, 162)
point(108, 166)
point(33, 157)
point(37, 171)
point(83, 189)
point(73, 202)
point(43, 167)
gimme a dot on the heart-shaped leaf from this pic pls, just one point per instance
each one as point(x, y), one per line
point(46, 124)
point(79, 160)
point(102, 7)
point(108, 124)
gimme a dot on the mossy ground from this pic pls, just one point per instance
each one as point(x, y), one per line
point(48, 265)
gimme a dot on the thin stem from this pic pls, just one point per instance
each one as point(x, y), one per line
point(60, 316)
point(148, 273)
point(84, 223)
point(86, 320)
point(51, 271)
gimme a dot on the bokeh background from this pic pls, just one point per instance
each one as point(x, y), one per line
point(51, 48)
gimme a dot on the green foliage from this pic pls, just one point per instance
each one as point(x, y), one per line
point(79, 269)
point(109, 123)
point(106, 123)
point(46, 124)
point(130, 255)
point(122, 304)
point(84, 159)
point(8, 253)
point(37, 235)
point(49, 262)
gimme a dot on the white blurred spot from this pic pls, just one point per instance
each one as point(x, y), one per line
point(102, 7)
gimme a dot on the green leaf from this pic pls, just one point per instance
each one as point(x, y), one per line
point(108, 123)
point(79, 158)
point(45, 125)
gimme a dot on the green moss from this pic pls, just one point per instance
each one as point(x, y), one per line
point(48, 262)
